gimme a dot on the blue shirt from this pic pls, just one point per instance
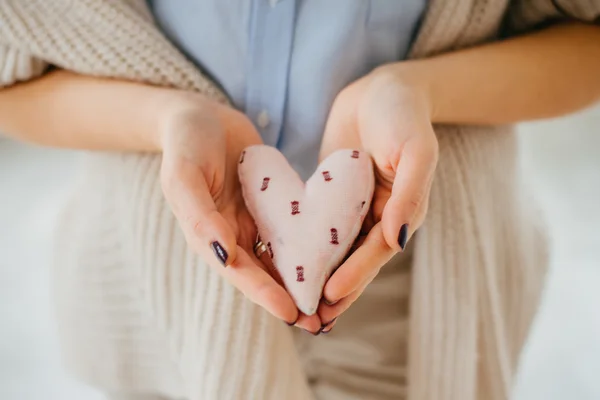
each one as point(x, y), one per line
point(283, 62)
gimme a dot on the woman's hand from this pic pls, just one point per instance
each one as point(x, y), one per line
point(389, 117)
point(202, 143)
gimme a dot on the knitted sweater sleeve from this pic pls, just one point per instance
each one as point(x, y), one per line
point(17, 66)
point(524, 15)
point(116, 39)
point(17, 63)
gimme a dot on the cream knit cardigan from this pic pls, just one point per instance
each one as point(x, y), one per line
point(479, 260)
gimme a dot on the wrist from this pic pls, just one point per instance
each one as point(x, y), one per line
point(411, 83)
point(175, 106)
point(186, 113)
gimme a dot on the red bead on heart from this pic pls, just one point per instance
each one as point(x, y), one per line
point(265, 184)
point(295, 207)
point(334, 236)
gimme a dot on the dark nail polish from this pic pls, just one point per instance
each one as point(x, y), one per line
point(403, 236)
point(293, 323)
point(220, 252)
point(327, 324)
point(317, 333)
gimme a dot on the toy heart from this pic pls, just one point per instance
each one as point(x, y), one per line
point(308, 228)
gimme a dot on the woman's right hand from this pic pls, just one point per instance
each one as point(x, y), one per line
point(202, 142)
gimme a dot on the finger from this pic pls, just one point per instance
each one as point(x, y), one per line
point(366, 260)
point(259, 287)
point(311, 324)
point(266, 261)
point(330, 312)
point(410, 191)
point(328, 327)
point(186, 190)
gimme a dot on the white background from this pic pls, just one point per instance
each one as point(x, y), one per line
point(561, 361)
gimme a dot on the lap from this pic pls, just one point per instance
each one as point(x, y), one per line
point(124, 329)
point(365, 355)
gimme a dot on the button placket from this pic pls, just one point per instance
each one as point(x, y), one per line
point(269, 52)
point(263, 119)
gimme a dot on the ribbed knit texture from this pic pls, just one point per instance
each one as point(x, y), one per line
point(142, 313)
point(139, 312)
point(17, 66)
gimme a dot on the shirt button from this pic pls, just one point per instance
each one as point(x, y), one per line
point(273, 3)
point(263, 119)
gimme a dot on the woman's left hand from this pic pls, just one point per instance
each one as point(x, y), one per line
point(388, 116)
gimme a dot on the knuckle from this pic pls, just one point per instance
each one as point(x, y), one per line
point(415, 202)
point(261, 293)
point(203, 222)
point(411, 206)
point(198, 226)
point(431, 147)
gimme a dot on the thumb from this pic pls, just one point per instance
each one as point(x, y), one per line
point(211, 236)
point(405, 209)
point(205, 229)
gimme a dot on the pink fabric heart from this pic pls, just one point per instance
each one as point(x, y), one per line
point(308, 228)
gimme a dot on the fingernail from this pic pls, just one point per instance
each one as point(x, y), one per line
point(220, 252)
point(293, 323)
point(327, 324)
point(329, 303)
point(326, 328)
point(403, 236)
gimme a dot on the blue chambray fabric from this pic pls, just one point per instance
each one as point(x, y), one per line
point(282, 62)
